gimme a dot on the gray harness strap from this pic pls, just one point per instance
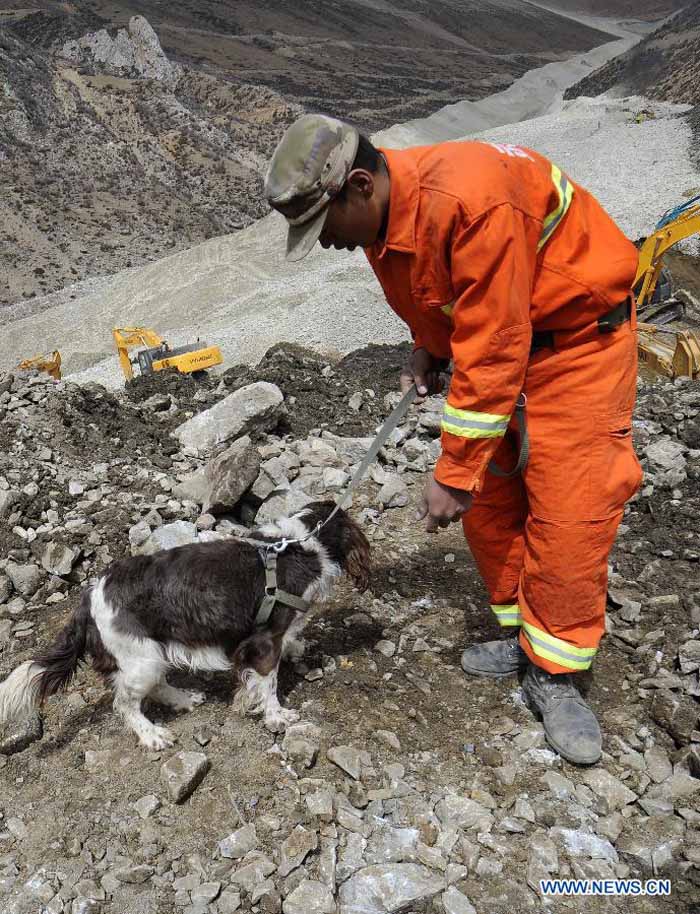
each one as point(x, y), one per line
point(273, 594)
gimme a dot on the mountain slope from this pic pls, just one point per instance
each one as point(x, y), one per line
point(104, 168)
point(664, 65)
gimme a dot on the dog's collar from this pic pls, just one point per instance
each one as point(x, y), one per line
point(273, 594)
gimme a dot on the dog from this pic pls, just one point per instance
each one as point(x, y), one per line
point(195, 607)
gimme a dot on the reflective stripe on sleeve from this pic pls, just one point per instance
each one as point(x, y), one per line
point(558, 651)
point(470, 424)
point(565, 191)
point(507, 614)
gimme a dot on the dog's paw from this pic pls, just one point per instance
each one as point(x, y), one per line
point(278, 721)
point(158, 738)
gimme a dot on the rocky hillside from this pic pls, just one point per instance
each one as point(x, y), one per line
point(115, 151)
point(403, 781)
point(665, 65)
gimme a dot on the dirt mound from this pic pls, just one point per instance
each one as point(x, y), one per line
point(318, 393)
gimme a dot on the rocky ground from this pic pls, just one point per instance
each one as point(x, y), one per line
point(405, 787)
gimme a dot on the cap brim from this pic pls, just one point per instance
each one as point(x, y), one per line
point(301, 238)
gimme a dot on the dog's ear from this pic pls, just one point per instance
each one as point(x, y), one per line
point(356, 551)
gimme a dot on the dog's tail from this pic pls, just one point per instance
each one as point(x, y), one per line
point(33, 681)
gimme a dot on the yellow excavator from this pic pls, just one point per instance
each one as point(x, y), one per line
point(679, 355)
point(156, 355)
point(51, 364)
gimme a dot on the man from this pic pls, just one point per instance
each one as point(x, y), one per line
point(498, 262)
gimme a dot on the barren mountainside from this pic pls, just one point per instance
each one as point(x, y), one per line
point(120, 143)
point(664, 65)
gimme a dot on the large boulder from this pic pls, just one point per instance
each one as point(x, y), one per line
point(256, 406)
point(230, 475)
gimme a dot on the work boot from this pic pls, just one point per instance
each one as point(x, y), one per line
point(569, 724)
point(494, 658)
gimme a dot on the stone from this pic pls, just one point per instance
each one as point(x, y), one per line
point(351, 856)
point(230, 475)
point(295, 849)
point(611, 793)
point(310, 897)
point(689, 656)
point(389, 888)
point(461, 812)
point(454, 902)
point(638, 845)
point(138, 534)
point(658, 764)
point(256, 867)
point(256, 406)
point(392, 845)
point(320, 805)
point(169, 536)
point(206, 892)
point(676, 714)
point(147, 805)
point(543, 859)
point(17, 735)
point(5, 588)
point(8, 499)
point(394, 493)
point(134, 874)
point(386, 648)
point(228, 902)
point(666, 453)
point(301, 743)
point(579, 843)
point(183, 773)
point(58, 559)
point(389, 739)
point(26, 579)
point(239, 843)
point(347, 758)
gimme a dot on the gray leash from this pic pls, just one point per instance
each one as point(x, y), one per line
point(270, 551)
point(524, 454)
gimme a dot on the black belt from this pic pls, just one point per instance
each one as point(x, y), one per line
point(607, 323)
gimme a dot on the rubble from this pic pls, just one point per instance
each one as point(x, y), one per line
point(402, 786)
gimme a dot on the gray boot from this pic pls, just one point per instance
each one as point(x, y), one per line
point(494, 658)
point(570, 726)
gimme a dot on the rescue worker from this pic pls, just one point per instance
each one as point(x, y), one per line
point(501, 264)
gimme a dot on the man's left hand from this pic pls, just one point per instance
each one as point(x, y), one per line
point(442, 505)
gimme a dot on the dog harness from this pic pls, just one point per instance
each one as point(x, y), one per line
point(273, 594)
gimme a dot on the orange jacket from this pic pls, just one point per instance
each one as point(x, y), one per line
point(486, 242)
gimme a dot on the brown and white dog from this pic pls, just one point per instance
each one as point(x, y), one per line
point(194, 607)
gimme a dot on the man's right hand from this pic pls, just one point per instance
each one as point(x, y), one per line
point(423, 370)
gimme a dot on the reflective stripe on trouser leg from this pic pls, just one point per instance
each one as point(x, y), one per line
point(557, 651)
point(508, 614)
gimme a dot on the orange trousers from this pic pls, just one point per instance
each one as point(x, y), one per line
point(542, 539)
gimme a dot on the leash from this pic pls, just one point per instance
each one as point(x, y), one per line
point(270, 551)
point(524, 454)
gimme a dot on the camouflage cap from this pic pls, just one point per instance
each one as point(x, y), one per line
point(308, 168)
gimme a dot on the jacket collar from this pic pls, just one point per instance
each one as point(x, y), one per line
point(403, 204)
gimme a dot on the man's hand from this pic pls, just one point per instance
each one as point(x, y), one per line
point(423, 370)
point(442, 505)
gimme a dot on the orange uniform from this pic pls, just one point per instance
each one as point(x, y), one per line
point(485, 244)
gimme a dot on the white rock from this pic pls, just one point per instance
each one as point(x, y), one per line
point(394, 493)
point(58, 559)
point(254, 406)
point(389, 888)
point(169, 536)
point(239, 843)
point(310, 897)
point(454, 902)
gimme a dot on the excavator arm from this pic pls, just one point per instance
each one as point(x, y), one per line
point(683, 222)
point(50, 364)
point(126, 338)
